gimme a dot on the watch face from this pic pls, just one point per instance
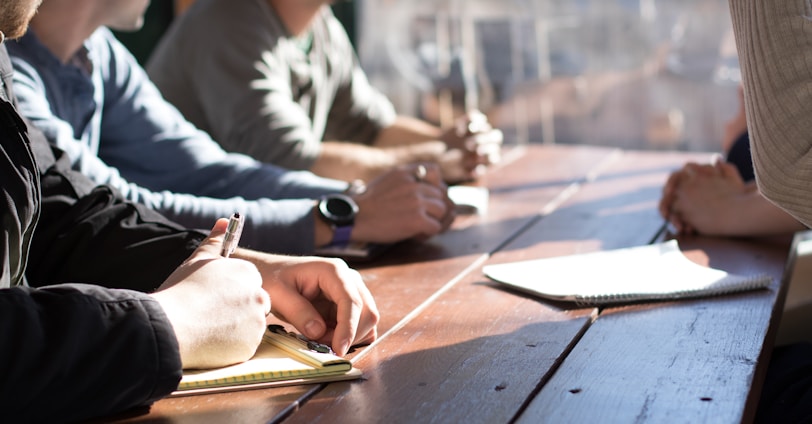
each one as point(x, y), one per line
point(338, 209)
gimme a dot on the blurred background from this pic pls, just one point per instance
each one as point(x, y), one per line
point(642, 74)
point(649, 74)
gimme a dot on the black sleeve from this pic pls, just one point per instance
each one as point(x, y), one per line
point(73, 352)
point(739, 155)
point(89, 234)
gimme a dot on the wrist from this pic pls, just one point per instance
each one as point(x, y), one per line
point(323, 232)
point(338, 211)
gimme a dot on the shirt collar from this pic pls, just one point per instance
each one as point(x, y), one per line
point(81, 59)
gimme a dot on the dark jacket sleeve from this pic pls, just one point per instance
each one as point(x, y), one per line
point(72, 352)
point(89, 234)
point(82, 351)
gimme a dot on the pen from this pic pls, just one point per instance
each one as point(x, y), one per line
point(233, 232)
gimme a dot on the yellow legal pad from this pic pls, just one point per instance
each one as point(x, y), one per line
point(281, 359)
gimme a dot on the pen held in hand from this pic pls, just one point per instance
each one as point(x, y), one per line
point(233, 233)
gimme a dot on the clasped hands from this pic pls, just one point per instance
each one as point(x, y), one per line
point(472, 144)
point(701, 198)
point(399, 205)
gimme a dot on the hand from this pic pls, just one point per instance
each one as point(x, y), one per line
point(666, 206)
point(667, 197)
point(703, 198)
point(322, 297)
point(216, 305)
point(472, 144)
point(396, 206)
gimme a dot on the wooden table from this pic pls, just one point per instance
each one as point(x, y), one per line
point(454, 347)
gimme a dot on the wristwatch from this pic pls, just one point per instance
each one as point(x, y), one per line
point(339, 210)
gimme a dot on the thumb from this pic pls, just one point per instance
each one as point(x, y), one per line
point(301, 313)
point(210, 247)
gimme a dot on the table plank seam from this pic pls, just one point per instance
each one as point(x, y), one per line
point(546, 210)
point(556, 365)
point(549, 208)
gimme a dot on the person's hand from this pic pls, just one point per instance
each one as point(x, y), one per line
point(322, 297)
point(667, 197)
point(408, 202)
point(472, 145)
point(702, 198)
point(216, 305)
point(666, 205)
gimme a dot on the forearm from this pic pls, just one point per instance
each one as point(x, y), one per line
point(276, 226)
point(407, 130)
point(774, 41)
point(753, 215)
point(350, 161)
point(74, 212)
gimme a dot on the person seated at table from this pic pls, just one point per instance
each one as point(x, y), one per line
point(722, 198)
point(773, 39)
point(103, 302)
point(87, 93)
point(279, 80)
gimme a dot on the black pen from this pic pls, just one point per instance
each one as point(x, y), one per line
point(233, 233)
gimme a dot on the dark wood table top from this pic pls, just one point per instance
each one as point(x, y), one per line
point(455, 347)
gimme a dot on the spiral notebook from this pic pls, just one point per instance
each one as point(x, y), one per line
point(652, 272)
point(282, 359)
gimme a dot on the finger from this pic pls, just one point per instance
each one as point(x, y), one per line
point(665, 204)
point(486, 155)
point(690, 170)
point(678, 224)
point(432, 218)
point(667, 199)
point(210, 247)
point(350, 304)
point(434, 203)
point(674, 179)
point(429, 226)
point(485, 140)
point(294, 308)
point(429, 173)
point(348, 315)
point(449, 217)
point(367, 330)
point(664, 207)
point(471, 162)
point(472, 123)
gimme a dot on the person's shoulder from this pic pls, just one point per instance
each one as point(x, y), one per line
point(29, 49)
point(218, 24)
point(332, 30)
point(103, 39)
point(106, 51)
point(102, 34)
point(223, 13)
point(327, 19)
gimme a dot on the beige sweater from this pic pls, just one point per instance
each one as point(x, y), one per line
point(774, 39)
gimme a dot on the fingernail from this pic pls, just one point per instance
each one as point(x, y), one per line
point(344, 348)
point(312, 329)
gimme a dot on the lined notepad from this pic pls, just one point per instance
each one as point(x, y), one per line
point(652, 272)
point(279, 360)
